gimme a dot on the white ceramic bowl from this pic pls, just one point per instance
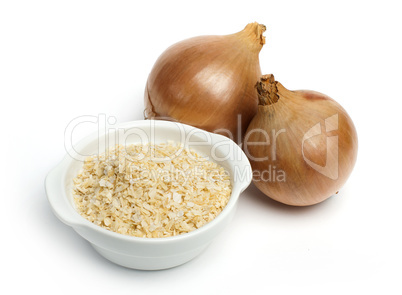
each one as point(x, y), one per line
point(148, 253)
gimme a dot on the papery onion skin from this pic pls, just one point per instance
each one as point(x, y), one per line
point(311, 152)
point(208, 82)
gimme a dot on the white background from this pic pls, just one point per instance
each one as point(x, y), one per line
point(64, 59)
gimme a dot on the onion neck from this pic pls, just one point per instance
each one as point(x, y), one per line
point(252, 35)
point(267, 90)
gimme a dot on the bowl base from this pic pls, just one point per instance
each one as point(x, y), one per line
point(149, 263)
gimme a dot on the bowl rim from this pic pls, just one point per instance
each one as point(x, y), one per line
point(58, 196)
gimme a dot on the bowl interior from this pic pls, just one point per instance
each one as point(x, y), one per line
point(216, 148)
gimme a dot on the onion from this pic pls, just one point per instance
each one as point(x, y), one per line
point(208, 82)
point(302, 145)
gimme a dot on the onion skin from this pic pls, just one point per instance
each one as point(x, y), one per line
point(310, 122)
point(208, 81)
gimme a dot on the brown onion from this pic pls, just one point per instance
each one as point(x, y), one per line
point(208, 82)
point(302, 145)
